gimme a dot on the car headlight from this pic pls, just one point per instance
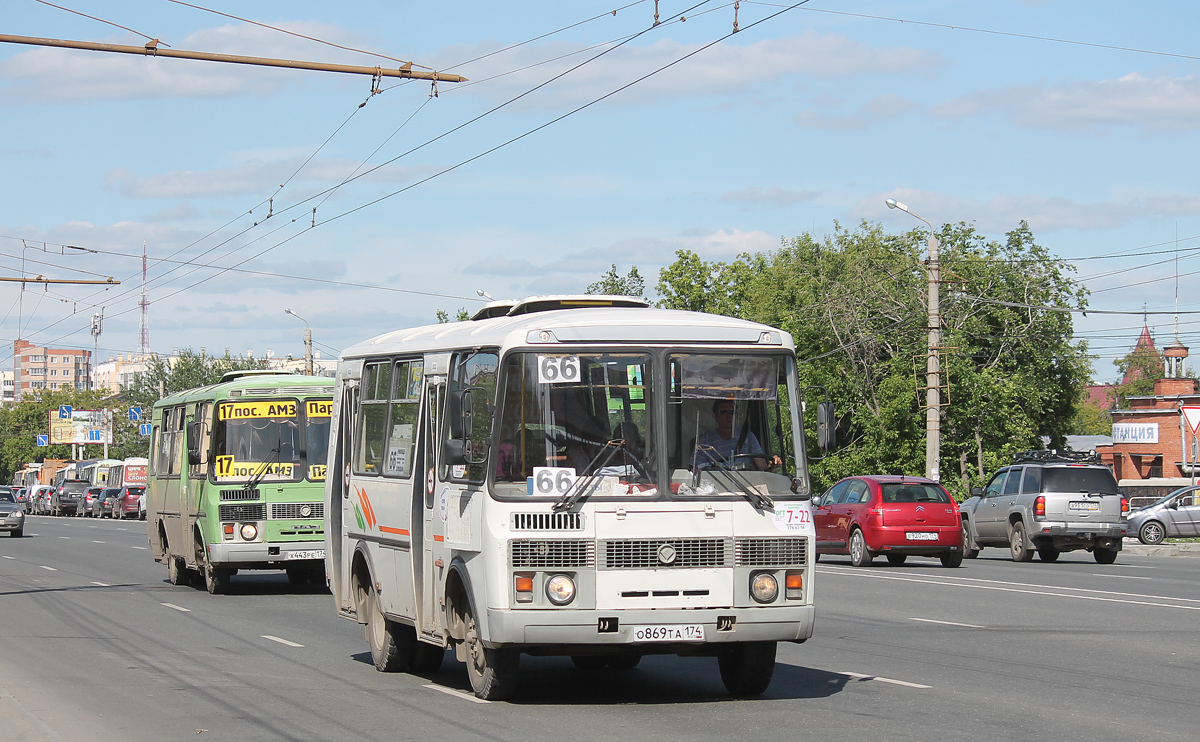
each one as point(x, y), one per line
point(764, 587)
point(560, 589)
point(249, 531)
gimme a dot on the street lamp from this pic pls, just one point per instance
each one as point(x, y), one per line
point(308, 358)
point(933, 433)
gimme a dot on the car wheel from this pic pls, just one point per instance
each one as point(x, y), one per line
point(746, 668)
point(970, 550)
point(493, 672)
point(17, 533)
point(1104, 556)
point(897, 559)
point(1151, 532)
point(859, 555)
point(1017, 543)
point(1048, 553)
point(392, 644)
point(952, 559)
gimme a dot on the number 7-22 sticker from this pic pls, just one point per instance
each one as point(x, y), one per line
point(792, 517)
point(558, 369)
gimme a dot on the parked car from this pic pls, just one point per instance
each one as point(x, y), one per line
point(1175, 516)
point(68, 498)
point(22, 496)
point(12, 516)
point(895, 516)
point(1048, 502)
point(38, 499)
point(126, 502)
point(91, 498)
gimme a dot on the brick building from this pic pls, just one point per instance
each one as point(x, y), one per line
point(38, 367)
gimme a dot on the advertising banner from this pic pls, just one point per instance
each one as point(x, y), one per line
point(81, 426)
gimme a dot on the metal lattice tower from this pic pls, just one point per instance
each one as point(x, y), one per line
point(144, 342)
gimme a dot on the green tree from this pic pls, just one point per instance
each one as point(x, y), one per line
point(443, 316)
point(613, 283)
point(1140, 368)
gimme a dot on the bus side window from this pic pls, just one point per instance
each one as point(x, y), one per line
point(372, 417)
point(406, 401)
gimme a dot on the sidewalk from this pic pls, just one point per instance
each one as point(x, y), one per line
point(1135, 547)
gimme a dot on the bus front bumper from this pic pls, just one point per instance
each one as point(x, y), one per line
point(565, 628)
point(275, 555)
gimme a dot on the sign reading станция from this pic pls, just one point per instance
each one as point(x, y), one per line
point(1135, 432)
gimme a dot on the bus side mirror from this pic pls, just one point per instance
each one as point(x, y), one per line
point(826, 426)
point(195, 434)
point(460, 447)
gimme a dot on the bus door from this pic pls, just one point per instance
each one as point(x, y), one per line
point(434, 556)
point(195, 476)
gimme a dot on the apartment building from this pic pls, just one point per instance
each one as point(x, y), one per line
point(38, 367)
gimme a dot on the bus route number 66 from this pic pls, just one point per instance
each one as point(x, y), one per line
point(558, 369)
point(552, 480)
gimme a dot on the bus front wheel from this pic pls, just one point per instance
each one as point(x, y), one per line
point(746, 668)
point(216, 579)
point(493, 672)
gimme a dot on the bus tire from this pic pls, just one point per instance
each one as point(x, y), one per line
point(392, 644)
point(216, 579)
point(493, 672)
point(746, 667)
point(176, 570)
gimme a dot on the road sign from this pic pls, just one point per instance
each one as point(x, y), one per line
point(83, 426)
point(64, 412)
point(94, 436)
point(144, 428)
point(43, 440)
point(135, 414)
point(1192, 415)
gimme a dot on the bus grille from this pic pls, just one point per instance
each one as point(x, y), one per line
point(649, 553)
point(547, 521)
point(547, 553)
point(294, 510)
point(771, 552)
point(254, 511)
point(240, 494)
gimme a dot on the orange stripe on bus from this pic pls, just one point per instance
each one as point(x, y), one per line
point(399, 531)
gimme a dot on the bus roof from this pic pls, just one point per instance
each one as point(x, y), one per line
point(262, 384)
point(578, 325)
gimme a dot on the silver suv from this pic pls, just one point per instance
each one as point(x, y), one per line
point(1048, 502)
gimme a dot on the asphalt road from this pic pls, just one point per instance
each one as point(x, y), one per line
point(98, 646)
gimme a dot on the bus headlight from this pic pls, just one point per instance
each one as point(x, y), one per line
point(560, 589)
point(764, 587)
point(249, 531)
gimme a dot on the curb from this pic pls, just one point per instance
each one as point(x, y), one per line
point(1137, 548)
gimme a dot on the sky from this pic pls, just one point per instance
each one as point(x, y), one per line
point(583, 138)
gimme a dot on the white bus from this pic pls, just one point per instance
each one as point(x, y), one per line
point(575, 476)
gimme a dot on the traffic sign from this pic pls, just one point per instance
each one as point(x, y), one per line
point(64, 412)
point(43, 440)
point(135, 414)
point(144, 428)
point(1191, 413)
point(94, 435)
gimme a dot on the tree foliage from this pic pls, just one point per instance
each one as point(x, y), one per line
point(614, 284)
point(1139, 370)
point(855, 303)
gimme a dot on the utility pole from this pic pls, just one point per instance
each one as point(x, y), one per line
point(97, 328)
point(308, 354)
point(933, 391)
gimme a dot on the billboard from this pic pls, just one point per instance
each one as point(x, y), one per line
point(80, 426)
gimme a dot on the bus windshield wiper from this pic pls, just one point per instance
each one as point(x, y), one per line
point(253, 483)
point(752, 495)
point(586, 483)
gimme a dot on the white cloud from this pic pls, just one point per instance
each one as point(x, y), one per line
point(1155, 104)
point(1003, 212)
point(884, 107)
point(766, 198)
point(722, 70)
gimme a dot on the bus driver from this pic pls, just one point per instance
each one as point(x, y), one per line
point(720, 444)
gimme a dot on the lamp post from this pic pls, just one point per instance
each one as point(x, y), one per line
point(933, 411)
point(308, 358)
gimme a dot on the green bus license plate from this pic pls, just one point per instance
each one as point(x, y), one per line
point(668, 633)
point(311, 554)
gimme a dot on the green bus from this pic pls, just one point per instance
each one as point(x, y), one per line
point(237, 478)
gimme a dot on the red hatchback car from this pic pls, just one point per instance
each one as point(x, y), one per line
point(891, 515)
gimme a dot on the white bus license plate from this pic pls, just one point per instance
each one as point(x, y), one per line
point(921, 536)
point(313, 554)
point(673, 633)
point(1088, 507)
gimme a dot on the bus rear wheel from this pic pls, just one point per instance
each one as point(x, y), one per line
point(493, 672)
point(392, 644)
point(746, 668)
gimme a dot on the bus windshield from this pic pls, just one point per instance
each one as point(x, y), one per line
point(316, 436)
point(571, 415)
point(257, 440)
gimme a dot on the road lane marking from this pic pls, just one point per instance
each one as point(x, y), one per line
point(455, 692)
point(66, 537)
point(101, 584)
point(1043, 589)
point(52, 569)
point(177, 607)
point(6, 556)
point(905, 683)
point(281, 641)
point(1123, 577)
point(947, 623)
point(97, 542)
point(143, 548)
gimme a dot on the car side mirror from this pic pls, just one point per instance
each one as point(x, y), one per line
point(1173, 504)
point(977, 492)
